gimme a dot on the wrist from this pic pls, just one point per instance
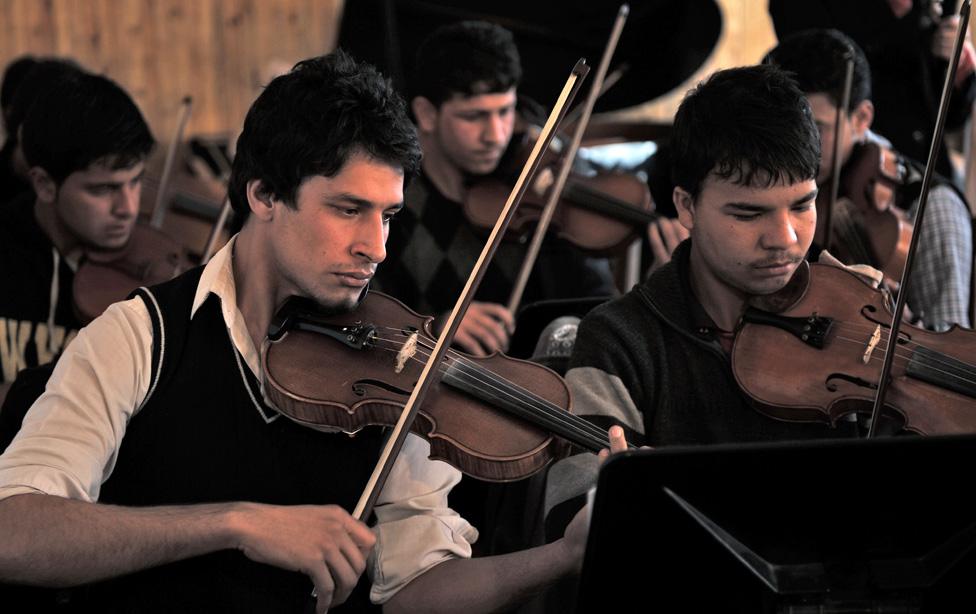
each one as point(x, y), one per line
point(567, 556)
point(233, 528)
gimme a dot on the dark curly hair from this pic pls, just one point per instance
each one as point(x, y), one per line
point(752, 126)
point(817, 60)
point(466, 58)
point(81, 119)
point(311, 120)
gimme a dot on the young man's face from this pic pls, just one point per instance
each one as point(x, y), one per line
point(852, 129)
point(328, 247)
point(473, 131)
point(97, 207)
point(749, 240)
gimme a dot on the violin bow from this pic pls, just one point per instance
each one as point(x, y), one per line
point(211, 245)
point(515, 298)
point(402, 428)
point(611, 80)
point(923, 197)
point(159, 208)
point(845, 101)
point(225, 208)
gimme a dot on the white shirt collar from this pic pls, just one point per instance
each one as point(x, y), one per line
point(218, 278)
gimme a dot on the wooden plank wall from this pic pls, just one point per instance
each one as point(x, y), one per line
point(218, 51)
point(222, 51)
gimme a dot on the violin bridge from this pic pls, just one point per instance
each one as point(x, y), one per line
point(406, 352)
point(872, 343)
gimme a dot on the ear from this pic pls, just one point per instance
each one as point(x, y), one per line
point(426, 113)
point(861, 118)
point(260, 202)
point(44, 185)
point(685, 205)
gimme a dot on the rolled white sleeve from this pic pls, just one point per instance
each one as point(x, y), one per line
point(415, 528)
point(68, 443)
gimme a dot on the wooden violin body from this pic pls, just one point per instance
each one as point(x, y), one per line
point(105, 277)
point(601, 213)
point(342, 372)
point(866, 227)
point(813, 353)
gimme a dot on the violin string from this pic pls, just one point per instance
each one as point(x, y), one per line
point(968, 371)
point(950, 370)
point(929, 362)
point(502, 386)
point(936, 358)
point(546, 409)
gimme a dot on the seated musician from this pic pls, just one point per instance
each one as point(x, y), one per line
point(942, 280)
point(657, 360)
point(13, 175)
point(24, 81)
point(466, 83)
point(465, 105)
point(185, 491)
point(85, 142)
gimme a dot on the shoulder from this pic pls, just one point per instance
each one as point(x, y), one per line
point(618, 328)
point(123, 327)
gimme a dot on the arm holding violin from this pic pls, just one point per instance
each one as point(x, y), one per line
point(941, 283)
point(51, 475)
point(498, 583)
point(606, 386)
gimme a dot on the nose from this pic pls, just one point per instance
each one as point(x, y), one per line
point(495, 130)
point(780, 232)
point(126, 203)
point(370, 244)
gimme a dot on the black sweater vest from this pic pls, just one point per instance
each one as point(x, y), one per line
point(204, 435)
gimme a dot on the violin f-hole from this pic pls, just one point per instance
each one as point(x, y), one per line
point(831, 385)
point(359, 387)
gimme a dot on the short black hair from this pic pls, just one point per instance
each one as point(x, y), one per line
point(751, 126)
point(817, 60)
point(309, 122)
point(13, 76)
point(25, 81)
point(81, 119)
point(466, 58)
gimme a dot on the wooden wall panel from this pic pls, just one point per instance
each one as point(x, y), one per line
point(222, 51)
point(218, 51)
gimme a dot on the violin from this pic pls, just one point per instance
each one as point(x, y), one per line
point(866, 226)
point(149, 256)
point(493, 418)
point(599, 213)
point(813, 352)
point(108, 276)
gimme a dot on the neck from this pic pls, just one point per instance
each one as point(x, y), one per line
point(723, 304)
point(441, 172)
point(62, 239)
point(257, 290)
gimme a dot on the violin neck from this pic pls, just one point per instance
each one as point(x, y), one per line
point(941, 370)
point(594, 200)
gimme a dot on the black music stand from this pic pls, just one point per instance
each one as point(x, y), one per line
point(886, 525)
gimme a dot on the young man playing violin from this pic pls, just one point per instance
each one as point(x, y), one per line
point(657, 360)
point(939, 295)
point(465, 83)
point(85, 143)
point(153, 467)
